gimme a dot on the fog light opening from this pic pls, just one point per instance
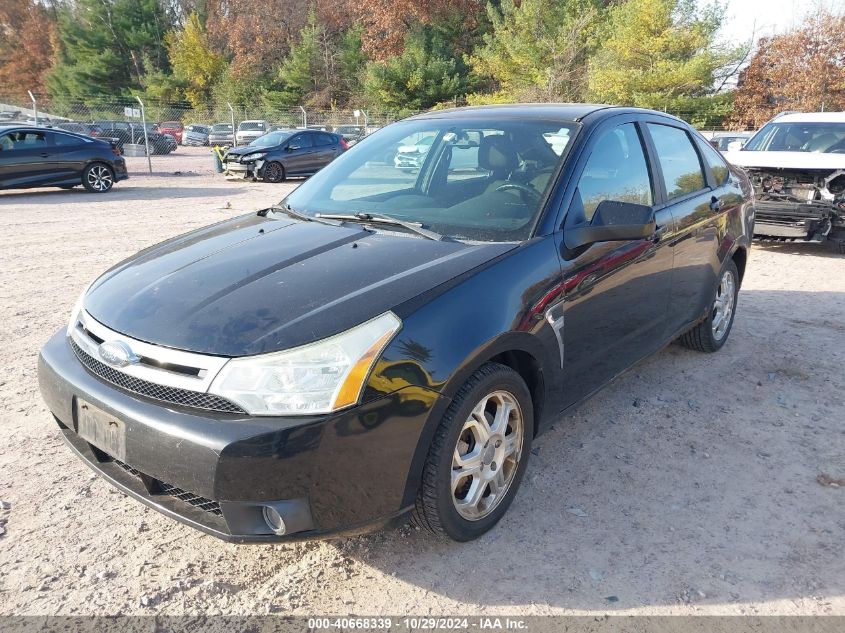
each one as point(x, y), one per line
point(274, 520)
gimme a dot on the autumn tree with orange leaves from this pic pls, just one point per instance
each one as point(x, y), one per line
point(801, 70)
point(27, 34)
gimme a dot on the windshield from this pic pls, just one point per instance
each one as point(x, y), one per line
point(221, 127)
point(478, 180)
point(251, 125)
point(825, 138)
point(272, 139)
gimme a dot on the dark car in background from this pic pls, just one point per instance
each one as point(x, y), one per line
point(159, 143)
point(87, 129)
point(221, 134)
point(36, 157)
point(278, 155)
point(381, 343)
point(351, 133)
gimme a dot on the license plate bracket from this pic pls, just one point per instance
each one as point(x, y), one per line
point(101, 429)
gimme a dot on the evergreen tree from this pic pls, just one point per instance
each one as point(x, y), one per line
point(107, 46)
point(654, 51)
point(425, 74)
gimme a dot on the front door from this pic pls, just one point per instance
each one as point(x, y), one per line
point(616, 294)
point(25, 158)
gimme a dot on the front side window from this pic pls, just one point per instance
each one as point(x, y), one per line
point(300, 142)
point(468, 179)
point(678, 159)
point(616, 170)
point(23, 140)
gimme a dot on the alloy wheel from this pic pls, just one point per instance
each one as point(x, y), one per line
point(723, 306)
point(100, 178)
point(487, 455)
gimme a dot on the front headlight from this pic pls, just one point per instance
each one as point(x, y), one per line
point(77, 308)
point(319, 377)
point(253, 156)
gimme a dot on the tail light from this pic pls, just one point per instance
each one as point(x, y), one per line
point(343, 144)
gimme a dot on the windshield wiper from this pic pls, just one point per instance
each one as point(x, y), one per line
point(388, 220)
point(298, 215)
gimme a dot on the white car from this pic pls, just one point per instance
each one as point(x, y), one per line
point(248, 131)
point(796, 163)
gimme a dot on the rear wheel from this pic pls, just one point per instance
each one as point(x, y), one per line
point(274, 172)
point(711, 334)
point(478, 456)
point(97, 178)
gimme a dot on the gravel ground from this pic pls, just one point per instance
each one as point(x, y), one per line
point(689, 485)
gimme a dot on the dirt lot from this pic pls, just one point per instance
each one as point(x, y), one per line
point(687, 486)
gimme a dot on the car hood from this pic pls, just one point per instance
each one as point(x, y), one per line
point(786, 160)
point(253, 285)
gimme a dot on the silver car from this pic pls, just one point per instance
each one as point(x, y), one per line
point(196, 135)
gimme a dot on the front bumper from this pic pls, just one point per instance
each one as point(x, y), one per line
point(810, 222)
point(215, 471)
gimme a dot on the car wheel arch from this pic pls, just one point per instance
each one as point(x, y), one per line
point(520, 351)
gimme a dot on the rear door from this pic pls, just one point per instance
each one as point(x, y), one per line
point(696, 212)
point(300, 155)
point(616, 293)
point(326, 149)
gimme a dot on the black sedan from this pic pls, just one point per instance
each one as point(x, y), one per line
point(278, 155)
point(36, 157)
point(383, 342)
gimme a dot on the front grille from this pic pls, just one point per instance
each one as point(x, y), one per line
point(173, 395)
point(206, 505)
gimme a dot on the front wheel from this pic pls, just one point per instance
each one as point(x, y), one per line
point(478, 455)
point(97, 178)
point(712, 332)
point(274, 172)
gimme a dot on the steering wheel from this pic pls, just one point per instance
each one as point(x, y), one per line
point(530, 192)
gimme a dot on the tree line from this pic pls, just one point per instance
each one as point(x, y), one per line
point(407, 55)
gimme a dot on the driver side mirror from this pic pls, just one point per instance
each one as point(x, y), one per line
point(613, 221)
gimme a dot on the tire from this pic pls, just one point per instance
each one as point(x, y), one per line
point(472, 507)
point(837, 242)
point(710, 335)
point(274, 172)
point(98, 178)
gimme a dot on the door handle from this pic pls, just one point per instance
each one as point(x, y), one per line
point(715, 204)
point(659, 232)
point(44, 155)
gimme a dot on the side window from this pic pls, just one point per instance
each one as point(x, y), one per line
point(681, 167)
point(65, 140)
point(300, 141)
point(6, 143)
point(324, 139)
point(717, 163)
point(616, 170)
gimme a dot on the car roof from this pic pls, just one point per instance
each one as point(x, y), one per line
point(811, 117)
point(555, 111)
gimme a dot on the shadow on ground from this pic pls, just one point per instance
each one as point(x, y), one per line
point(691, 479)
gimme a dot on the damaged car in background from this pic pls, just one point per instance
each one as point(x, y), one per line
point(797, 167)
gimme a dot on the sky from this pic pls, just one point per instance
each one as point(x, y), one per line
point(767, 17)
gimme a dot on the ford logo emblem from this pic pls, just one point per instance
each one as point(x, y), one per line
point(116, 353)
